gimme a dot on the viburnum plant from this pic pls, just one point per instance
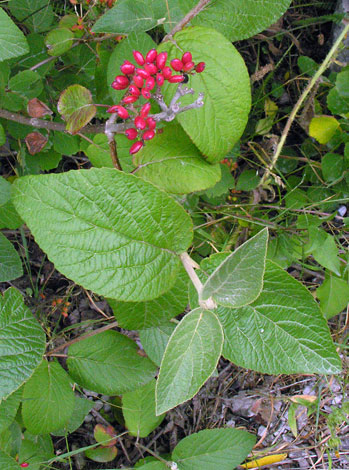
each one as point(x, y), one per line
point(123, 228)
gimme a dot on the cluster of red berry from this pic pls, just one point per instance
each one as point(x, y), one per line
point(140, 81)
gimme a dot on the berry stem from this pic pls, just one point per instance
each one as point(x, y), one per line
point(111, 141)
point(188, 17)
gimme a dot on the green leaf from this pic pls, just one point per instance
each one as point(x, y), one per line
point(109, 231)
point(108, 363)
point(11, 439)
point(81, 408)
point(342, 83)
point(12, 41)
point(36, 449)
point(152, 466)
point(324, 249)
point(65, 143)
point(336, 103)
point(99, 152)
point(213, 448)
point(138, 408)
point(190, 358)
point(333, 295)
point(2, 135)
point(5, 460)
point(141, 315)
point(236, 19)
point(8, 215)
point(307, 65)
point(154, 341)
point(322, 128)
point(101, 454)
point(238, 280)
point(8, 409)
point(37, 15)
point(332, 166)
point(282, 332)
point(27, 84)
point(10, 262)
point(219, 123)
point(58, 41)
point(135, 41)
point(248, 180)
point(75, 106)
point(48, 399)
point(173, 163)
point(22, 342)
point(127, 16)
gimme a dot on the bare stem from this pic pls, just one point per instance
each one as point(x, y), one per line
point(188, 17)
point(111, 141)
point(300, 101)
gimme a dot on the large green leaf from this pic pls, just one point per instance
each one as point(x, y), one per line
point(135, 41)
point(82, 407)
point(8, 409)
point(219, 123)
point(48, 399)
point(22, 342)
point(128, 16)
point(190, 358)
point(236, 19)
point(37, 15)
point(109, 231)
point(108, 363)
point(138, 408)
point(10, 262)
point(282, 332)
point(238, 280)
point(173, 163)
point(154, 340)
point(8, 462)
point(211, 449)
point(141, 315)
point(12, 41)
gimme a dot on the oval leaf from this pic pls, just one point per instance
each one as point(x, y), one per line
point(75, 106)
point(155, 339)
point(81, 408)
point(173, 163)
point(138, 408)
point(101, 454)
point(190, 357)
point(48, 399)
point(322, 128)
point(8, 409)
point(108, 363)
point(22, 342)
point(219, 123)
point(10, 262)
point(238, 280)
point(213, 448)
point(12, 41)
point(282, 332)
point(109, 231)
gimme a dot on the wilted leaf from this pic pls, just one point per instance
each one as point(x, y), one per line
point(35, 142)
point(37, 108)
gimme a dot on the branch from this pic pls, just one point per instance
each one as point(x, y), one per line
point(188, 17)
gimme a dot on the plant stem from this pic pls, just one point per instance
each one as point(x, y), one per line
point(111, 141)
point(300, 101)
point(188, 17)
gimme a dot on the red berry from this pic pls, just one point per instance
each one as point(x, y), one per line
point(176, 79)
point(151, 123)
point(160, 79)
point(142, 73)
point(113, 109)
point(130, 99)
point(200, 67)
point(138, 81)
point(161, 60)
point(145, 110)
point(117, 86)
point(131, 133)
point(122, 80)
point(127, 68)
point(139, 57)
point(150, 68)
point(146, 94)
point(148, 135)
point(167, 72)
point(122, 112)
point(176, 64)
point(187, 57)
point(188, 66)
point(140, 123)
point(149, 83)
point(136, 147)
point(135, 91)
point(151, 56)
point(24, 465)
